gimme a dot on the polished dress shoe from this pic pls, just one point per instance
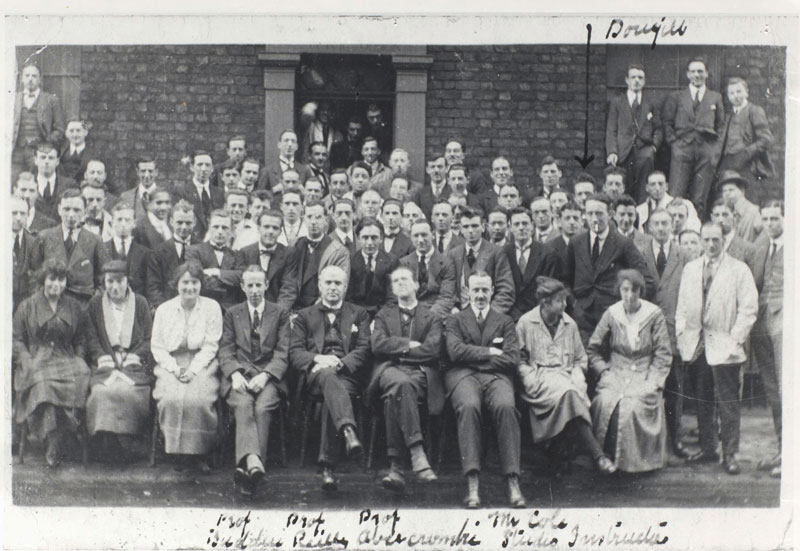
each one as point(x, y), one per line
point(769, 464)
point(351, 441)
point(515, 498)
point(679, 450)
point(473, 499)
point(426, 475)
point(329, 483)
point(731, 465)
point(241, 481)
point(604, 465)
point(394, 480)
point(703, 457)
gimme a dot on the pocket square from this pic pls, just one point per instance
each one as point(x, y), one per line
point(498, 340)
point(84, 262)
point(354, 328)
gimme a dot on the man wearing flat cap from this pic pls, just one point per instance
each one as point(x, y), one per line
point(746, 215)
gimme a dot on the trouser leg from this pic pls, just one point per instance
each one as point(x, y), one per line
point(703, 383)
point(703, 178)
point(727, 387)
point(401, 390)
point(466, 400)
point(266, 403)
point(499, 397)
point(643, 165)
point(241, 403)
point(337, 409)
point(680, 170)
point(765, 348)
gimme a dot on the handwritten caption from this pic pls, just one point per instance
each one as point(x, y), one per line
point(618, 29)
point(376, 529)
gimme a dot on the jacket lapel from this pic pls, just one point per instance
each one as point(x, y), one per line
point(489, 326)
point(607, 252)
point(686, 100)
point(672, 262)
point(347, 321)
point(242, 323)
point(394, 323)
point(275, 261)
point(533, 263)
point(473, 327)
point(317, 322)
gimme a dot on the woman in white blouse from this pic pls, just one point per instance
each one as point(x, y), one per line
point(186, 334)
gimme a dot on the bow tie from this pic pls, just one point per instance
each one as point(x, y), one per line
point(330, 310)
point(408, 311)
point(266, 252)
point(392, 235)
point(219, 249)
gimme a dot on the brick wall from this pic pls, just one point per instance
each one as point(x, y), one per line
point(524, 102)
point(167, 101)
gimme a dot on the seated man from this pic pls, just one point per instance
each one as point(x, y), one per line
point(330, 345)
point(406, 339)
point(253, 358)
point(370, 268)
point(118, 350)
point(482, 346)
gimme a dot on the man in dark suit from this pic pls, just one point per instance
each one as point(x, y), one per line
point(140, 195)
point(444, 238)
point(458, 180)
point(738, 248)
point(455, 154)
point(76, 153)
point(253, 358)
point(49, 183)
point(633, 133)
point(528, 260)
point(767, 334)
point(665, 261)
point(395, 242)
point(21, 250)
point(435, 272)
point(276, 260)
point(370, 268)
point(167, 256)
point(348, 151)
point(153, 228)
point(123, 247)
point(477, 254)
point(501, 175)
point(625, 217)
point(79, 249)
point(693, 123)
point(37, 117)
point(330, 345)
point(593, 260)
point(271, 173)
point(436, 189)
point(570, 223)
point(221, 264)
point(200, 193)
point(483, 351)
point(25, 188)
point(406, 341)
point(315, 252)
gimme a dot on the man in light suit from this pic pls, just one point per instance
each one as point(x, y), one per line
point(277, 261)
point(370, 268)
point(767, 336)
point(140, 195)
point(665, 261)
point(330, 344)
point(37, 117)
point(633, 133)
point(253, 359)
point(435, 272)
point(738, 248)
point(717, 306)
point(221, 264)
point(79, 249)
point(625, 216)
point(477, 254)
point(693, 123)
point(406, 341)
point(200, 193)
point(484, 353)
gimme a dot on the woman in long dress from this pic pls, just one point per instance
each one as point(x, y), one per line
point(628, 410)
point(118, 349)
point(51, 379)
point(553, 373)
point(186, 334)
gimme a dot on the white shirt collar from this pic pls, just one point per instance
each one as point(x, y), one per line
point(65, 232)
point(738, 109)
point(477, 312)
point(73, 149)
point(34, 94)
point(427, 255)
point(695, 91)
point(777, 241)
point(151, 189)
point(31, 216)
point(118, 243)
point(475, 247)
point(286, 160)
point(657, 247)
point(259, 309)
point(200, 187)
point(343, 235)
point(634, 95)
point(602, 235)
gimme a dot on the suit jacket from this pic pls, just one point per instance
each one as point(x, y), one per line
point(308, 335)
point(137, 264)
point(667, 286)
point(146, 234)
point(468, 346)
point(426, 199)
point(625, 131)
point(40, 222)
point(643, 241)
point(757, 138)
point(131, 197)
point(271, 174)
point(439, 295)
point(332, 253)
point(390, 348)
point(353, 247)
point(225, 289)
point(595, 287)
point(21, 270)
point(162, 261)
point(494, 262)
point(49, 207)
point(724, 322)
point(188, 191)
point(744, 251)
point(74, 166)
point(682, 126)
point(558, 244)
point(769, 282)
point(343, 153)
point(84, 266)
point(235, 347)
point(281, 273)
point(373, 297)
point(542, 261)
point(49, 117)
point(401, 246)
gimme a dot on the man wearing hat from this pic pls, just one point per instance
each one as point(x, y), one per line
point(746, 215)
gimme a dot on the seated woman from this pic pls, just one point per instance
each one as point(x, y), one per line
point(186, 334)
point(552, 373)
point(118, 345)
point(628, 410)
point(51, 379)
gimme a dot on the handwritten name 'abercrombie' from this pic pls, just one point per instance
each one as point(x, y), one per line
point(617, 25)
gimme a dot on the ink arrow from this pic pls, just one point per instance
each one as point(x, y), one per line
point(586, 159)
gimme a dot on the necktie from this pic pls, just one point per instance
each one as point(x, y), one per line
point(422, 273)
point(481, 319)
point(16, 246)
point(182, 247)
point(440, 246)
point(206, 200)
point(145, 198)
point(348, 242)
point(471, 258)
point(47, 193)
point(69, 244)
point(773, 250)
point(696, 101)
point(408, 312)
point(329, 310)
point(255, 334)
point(596, 249)
point(521, 262)
point(661, 260)
point(312, 246)
point(636, 105)
point(370, 274)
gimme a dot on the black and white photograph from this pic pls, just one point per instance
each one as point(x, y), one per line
point(400, 280)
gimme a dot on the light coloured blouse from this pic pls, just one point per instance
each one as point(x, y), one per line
point(201, 331)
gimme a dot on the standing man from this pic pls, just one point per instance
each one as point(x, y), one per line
point(168, 255)
point(614, 183)
point(625, 216)
point(395, 242)
point(21, 251)
point(200, 193)
point(97, 219)
point(767, 336)
point(497, 227)
point(734, 245)
point(318, 122)
point(746, 215)
point(379, 129)
point(436, 189)
point(658, 198)
point(271, 175)
point(318, 165)
point(140, 195)
point(406, 342)
point(717, 306)
point(455, 151)
point(693, 123)
point(380, 174)
point(542, 214)
point(75, 155)
point(501, 176)
point(584, 188)
point(37, 117)
point(571, 222)
point(244, 231)
point(682, 211)
point(434, 271)
point(292, 209)
point(482, 346)
point(343, 216)
point(123, 247)
point(633, 133)
point(370, 267)
point(348, 151)
point(253, 359)
point(26, 188)
point(249, 171)
point(550, 175)
point(50, 184)
point(442, 219)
